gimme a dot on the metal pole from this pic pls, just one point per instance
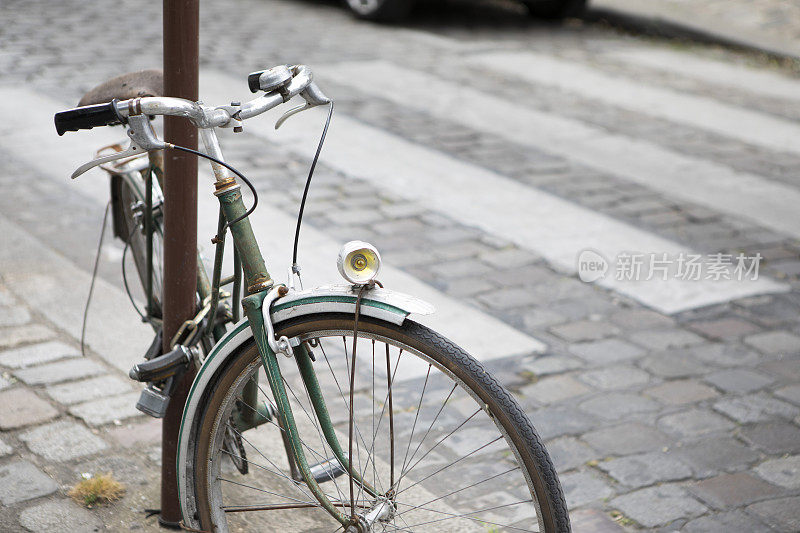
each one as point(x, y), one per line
point(181, 45)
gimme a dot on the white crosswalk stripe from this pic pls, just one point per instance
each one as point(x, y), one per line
point(550, 226)
point(56, 158)
point(690, 178)
point(732, 75)
point(700, 112)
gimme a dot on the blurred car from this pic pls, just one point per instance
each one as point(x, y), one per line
point(392, 10)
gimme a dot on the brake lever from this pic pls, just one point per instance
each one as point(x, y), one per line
point(131, 151)
point(143, 139)
point(292, 112)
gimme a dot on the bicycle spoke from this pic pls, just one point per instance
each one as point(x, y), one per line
point(325, 449)
point(314, 503)
point(266, 491)
point(451, 464)
point(433, 422)
point(316, 426)
point(463, 488)
point(341, 393)
point(268, 507)
point(441, 443)
point(391, 412)
point(461, 425)
point(370, 453)
point(350, 419)
point(262, 467)
point(466, 516)
point(398, 528)
point(271, 463)
point(407, 527)
point(321, 458)
point(416, 417)
point(279, 507)
point(383, 411)
point(291, 481)
point(372, 448)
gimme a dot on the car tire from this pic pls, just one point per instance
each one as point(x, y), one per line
point(380, 10)
point(555, 9)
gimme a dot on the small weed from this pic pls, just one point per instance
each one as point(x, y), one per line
point(621, 518)
point(489, 528)
point(92, 490)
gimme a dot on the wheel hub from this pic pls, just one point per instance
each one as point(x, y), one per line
point(381, 511)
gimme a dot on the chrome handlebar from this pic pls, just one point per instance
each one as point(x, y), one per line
point(135, 112)
point(229, 115)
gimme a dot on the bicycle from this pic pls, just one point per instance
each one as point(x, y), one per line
point(384, 424)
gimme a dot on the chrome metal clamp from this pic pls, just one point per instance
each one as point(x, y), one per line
point(280, 344)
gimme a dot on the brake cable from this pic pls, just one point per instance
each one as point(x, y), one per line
point(232, 169)
point(295, 266)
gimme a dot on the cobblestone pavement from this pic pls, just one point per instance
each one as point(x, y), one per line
point(768, 24)
point(65, 415)
point(682, 417)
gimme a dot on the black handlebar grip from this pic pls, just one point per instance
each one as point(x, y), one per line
point(163, 366)
point(87, 117)
point(253, 81)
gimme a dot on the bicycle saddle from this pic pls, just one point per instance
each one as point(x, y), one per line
point(131, 85)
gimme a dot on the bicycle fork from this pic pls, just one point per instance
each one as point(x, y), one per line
point(257, 307)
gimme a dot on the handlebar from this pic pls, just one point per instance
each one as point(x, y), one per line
point(87, 117)
point(286, 83)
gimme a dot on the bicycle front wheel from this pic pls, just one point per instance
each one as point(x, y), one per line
point(440, 443)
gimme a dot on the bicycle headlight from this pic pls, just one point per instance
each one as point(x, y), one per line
point(358, 262)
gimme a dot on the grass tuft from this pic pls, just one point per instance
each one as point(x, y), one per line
point(97, 489)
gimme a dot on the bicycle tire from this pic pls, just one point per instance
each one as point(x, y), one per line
point(487, 477)
point(555, 9)
point(131, 231)
point(380, 10)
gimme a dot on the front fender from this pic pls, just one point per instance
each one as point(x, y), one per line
point(379, 303)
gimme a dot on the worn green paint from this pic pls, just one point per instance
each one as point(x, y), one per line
point(255, 270)
point(252, 418)
point(253, 307)
point(219, 252)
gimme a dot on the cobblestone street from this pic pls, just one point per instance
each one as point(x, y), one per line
point(481, 152)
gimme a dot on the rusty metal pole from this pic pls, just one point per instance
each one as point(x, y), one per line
point(181, 48)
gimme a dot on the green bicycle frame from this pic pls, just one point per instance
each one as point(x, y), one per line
point(258, 283)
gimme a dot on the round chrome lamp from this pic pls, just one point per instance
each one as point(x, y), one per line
point(359, 262)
